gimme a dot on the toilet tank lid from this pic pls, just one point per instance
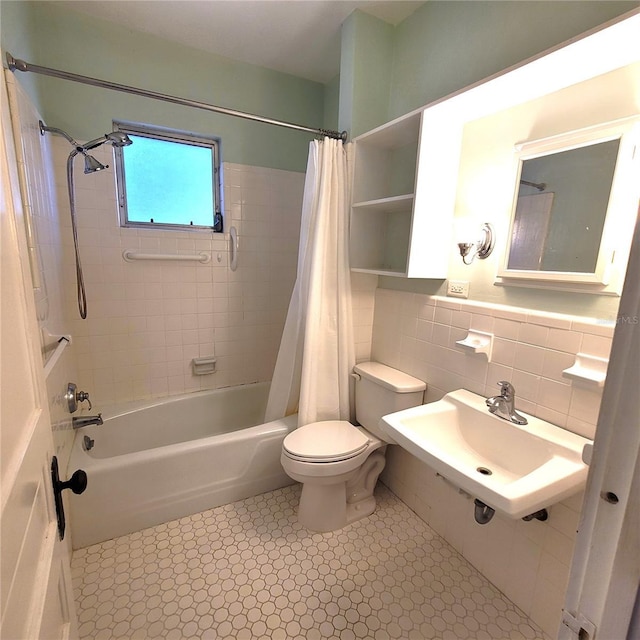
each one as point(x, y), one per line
point(390, 378)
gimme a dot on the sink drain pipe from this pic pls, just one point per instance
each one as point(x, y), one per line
point(482, 512)
point(538, 515)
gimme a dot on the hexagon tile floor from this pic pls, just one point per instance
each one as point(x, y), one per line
point(249, 570)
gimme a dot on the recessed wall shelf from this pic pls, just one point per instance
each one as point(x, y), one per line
point(203, 366)
point(588, 369)
point(477, 342)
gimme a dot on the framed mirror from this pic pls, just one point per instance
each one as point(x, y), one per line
point(574, 206)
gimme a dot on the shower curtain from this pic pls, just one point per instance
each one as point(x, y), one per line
point(316, 354)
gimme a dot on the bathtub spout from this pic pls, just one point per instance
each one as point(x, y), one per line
point(86, 421)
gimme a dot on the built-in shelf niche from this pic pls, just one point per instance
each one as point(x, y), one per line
point(384, 195)
point(399, 223)
point(386, 160)
point(382, 228)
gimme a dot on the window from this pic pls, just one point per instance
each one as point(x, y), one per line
point(168, 179)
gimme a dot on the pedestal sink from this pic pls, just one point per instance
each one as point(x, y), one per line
point(514, 469)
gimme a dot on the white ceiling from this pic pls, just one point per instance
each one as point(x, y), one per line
point(301, 37)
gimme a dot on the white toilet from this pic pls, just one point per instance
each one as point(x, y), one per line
point(339, 463)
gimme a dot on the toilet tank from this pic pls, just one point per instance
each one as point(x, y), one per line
point(381, 390)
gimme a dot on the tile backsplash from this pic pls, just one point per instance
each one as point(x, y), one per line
point(528, 561)
point(418, 333)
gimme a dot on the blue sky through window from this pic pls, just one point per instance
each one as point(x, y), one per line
point(168, 182)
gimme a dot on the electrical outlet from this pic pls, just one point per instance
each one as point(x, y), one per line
point(458, 288)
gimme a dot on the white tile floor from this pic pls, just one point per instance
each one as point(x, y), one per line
point(248, 570)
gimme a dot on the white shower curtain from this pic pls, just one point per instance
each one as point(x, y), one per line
point(316, 354)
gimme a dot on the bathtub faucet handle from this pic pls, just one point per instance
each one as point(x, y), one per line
point(73, 396)
point(83, 396)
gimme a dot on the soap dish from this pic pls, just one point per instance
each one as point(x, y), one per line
point(477, 342)
point(203, 366)
point(589, 369)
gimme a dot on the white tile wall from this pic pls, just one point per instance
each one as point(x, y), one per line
point(417, 334)
point(528, 561)
point(43, 219)
point(363, 287)
point(147, 320)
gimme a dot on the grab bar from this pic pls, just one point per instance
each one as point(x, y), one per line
point(55, 356)
point(233, 246)
point(130, 256)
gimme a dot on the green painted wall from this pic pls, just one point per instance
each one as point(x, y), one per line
point(16, 30)
point(54, 36)
point(445, 46)
point(331, 103)
point(365, 72)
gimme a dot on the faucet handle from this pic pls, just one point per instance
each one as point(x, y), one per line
point(73, 397)
point(83, 396)
point(506, 388)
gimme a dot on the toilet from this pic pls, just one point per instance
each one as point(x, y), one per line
point(338, 463)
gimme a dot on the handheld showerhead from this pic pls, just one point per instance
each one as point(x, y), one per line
point(119, 139)
point(91, 165)
point(116, 138)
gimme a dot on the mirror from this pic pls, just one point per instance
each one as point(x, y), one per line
point(569, 192)
point(561, 208)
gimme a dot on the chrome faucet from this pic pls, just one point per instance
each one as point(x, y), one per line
point(504, 405)
point(86, 421)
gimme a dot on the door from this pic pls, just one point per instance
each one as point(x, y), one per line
point(605, 572)
point(36, 600)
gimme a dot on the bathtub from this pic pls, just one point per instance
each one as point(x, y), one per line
point(161, 460)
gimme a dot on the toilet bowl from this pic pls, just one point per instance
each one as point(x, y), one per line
point(337, 462)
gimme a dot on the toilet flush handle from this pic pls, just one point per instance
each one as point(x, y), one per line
point(356, 376)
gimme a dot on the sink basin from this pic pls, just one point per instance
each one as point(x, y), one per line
point(514, 469)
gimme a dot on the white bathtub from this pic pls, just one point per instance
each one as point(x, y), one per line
point(156, 461)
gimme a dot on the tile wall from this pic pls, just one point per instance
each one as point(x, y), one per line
point(528, 561)
point(40, 205)
point(148, 319)
point(417, 334)
point(363, 289)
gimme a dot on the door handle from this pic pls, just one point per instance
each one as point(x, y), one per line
point(77, 483)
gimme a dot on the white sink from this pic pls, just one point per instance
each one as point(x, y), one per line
point(514, 469)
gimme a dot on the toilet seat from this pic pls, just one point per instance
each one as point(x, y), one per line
point(322, 442)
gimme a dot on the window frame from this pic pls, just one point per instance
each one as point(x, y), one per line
point(168, 135)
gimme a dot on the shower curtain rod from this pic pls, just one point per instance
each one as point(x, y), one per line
point(20, 65)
